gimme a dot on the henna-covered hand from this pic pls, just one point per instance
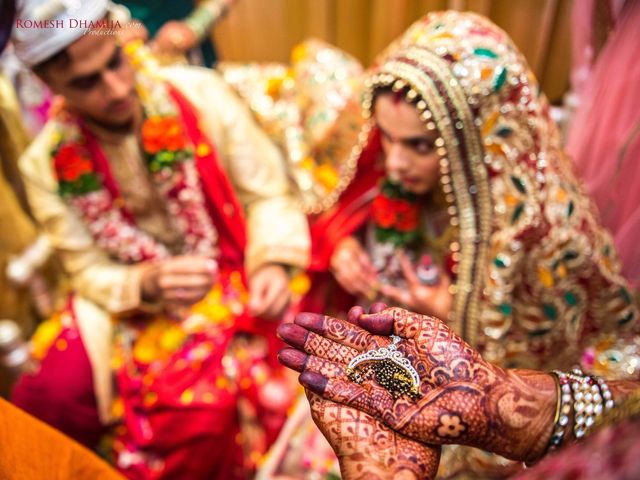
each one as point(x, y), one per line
point(463, 399)
point(367, 449)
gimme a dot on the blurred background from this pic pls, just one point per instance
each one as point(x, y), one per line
point(266, 30)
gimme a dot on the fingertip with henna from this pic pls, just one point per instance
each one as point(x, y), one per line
point(293, 359)
point(378, 307)
point(354, 314)
point(380, 323)
point(311, 321)
point(292, 334)
point(313, 381)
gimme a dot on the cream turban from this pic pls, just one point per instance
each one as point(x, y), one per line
point(45, 27)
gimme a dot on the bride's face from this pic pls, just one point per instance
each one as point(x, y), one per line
point(409, 148)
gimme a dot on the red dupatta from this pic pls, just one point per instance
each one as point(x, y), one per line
point(348, 215)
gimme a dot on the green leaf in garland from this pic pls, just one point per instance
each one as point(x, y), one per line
point(92, 183)
point(398, 239)
point(411, 237)
point(87, 183)
point(385, 235)
point(396, 190)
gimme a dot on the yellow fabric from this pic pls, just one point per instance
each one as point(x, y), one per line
point(31, 450)
point(18, 230)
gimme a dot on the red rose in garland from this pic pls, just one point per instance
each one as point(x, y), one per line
point(70, 164)
point(383, 212)
point(407, 216)
point(396, 215)
point(74, 170)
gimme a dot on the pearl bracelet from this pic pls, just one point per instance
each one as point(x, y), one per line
point(591, 396)
point(587, 396)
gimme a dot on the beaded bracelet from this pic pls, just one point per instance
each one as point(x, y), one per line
point(591, 396)
point(588, 396)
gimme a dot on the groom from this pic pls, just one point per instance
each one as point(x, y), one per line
point(172, 215)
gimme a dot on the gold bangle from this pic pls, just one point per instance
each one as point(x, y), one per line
point(556, 417)
point(563, 410)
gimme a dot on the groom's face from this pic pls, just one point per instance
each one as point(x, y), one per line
point(96, 80)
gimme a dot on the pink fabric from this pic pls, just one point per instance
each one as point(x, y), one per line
point(582, 53)
point(61, 394)
point(581, 49)
point(604, 138)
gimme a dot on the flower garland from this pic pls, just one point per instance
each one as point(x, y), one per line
point(396, 215)
point(169, 155)
point(74, 170)
point(164, 142)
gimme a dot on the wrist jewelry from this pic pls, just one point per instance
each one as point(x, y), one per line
point(204, 16)
point(563, 410)
point(591, 396)
point(588, 396)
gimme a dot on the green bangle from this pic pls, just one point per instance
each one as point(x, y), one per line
point(204, 16)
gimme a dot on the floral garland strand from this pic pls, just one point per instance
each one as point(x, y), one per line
point(164, 142)
point(396, 215)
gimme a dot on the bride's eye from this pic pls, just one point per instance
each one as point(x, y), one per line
point(420, 146)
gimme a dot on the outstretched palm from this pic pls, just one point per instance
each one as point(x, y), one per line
point(463, 399)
